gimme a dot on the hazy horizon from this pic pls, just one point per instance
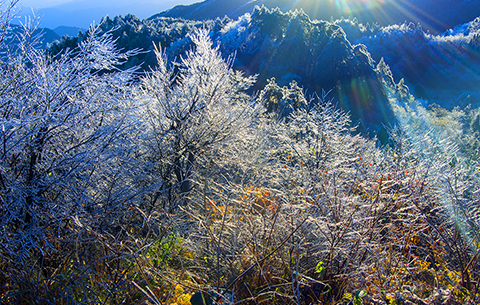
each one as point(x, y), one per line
point(53, 3)
point(81, 13)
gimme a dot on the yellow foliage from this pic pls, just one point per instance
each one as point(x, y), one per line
point(260, 199)
point(179, 297)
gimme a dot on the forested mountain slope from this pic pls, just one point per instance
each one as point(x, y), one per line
point(285, 46)
point(45, 36)
point(342, 56)
point(435, 15)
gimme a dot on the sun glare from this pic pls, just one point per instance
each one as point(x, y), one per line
point(352, 6)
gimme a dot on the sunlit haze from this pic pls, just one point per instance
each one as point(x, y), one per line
point(51, 3)
point(350, 6)
point(42, 3)
point(81, 13)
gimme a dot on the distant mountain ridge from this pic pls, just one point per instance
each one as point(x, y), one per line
point(68, 30)
point(362, 66)
point(46, 35)
point(81, 13)
point(433, 15)
point(285, 48)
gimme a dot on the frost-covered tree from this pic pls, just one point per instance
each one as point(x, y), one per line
point(66, 129)
point(194, 108)
point(6, 15)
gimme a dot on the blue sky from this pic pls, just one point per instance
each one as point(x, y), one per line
point(50, 3)
point(81, 13)
point(42, 3)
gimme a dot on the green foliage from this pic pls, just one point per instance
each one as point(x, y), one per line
point(164, 251)
point(356, 298)
point(320, 269)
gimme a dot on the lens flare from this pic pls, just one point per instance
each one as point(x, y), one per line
point(352, 6)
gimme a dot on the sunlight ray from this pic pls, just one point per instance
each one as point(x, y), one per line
point(352, 6)
point(421, 12)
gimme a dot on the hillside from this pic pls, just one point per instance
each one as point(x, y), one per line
point(68, 30)
point(340, 56)
point(263, 43)
point(434, 15)
point(45, 36)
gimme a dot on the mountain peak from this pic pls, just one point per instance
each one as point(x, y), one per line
point(425, 12)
